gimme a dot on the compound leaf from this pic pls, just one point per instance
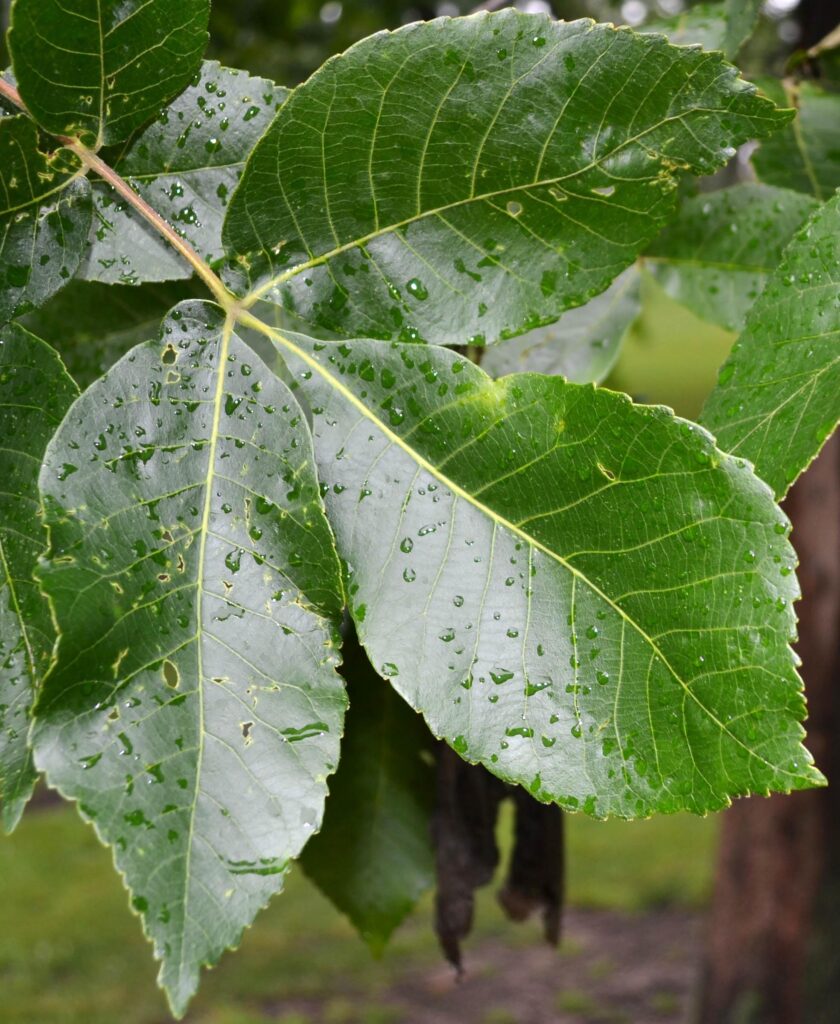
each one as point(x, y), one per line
point(185, 165)
point(35, 393)
point(99, 69)
point(778, 395)
point(373, 857)
point(715, 256)
point(582, 345)
point(402, 189)
point(581, 594)
point(194, 711)
point(45, 214)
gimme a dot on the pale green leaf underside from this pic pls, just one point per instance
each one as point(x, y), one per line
point(715, 256)
point(806, 155)
point(194, 712)
point(98, 69)
point(778, 395)
point(35, 393)
point(582, 345)
point(581, 594)
point(373, 856)
point(45, 213)
point(402, 189)
point(186, 166)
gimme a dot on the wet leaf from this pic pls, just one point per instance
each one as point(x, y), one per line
point(35, 393)
point(777, 399)
point(715, 256)
point(98, 69)
point(194, 712)
point(186, 166)
point(402, 190)
point(373, 855)
point(45, 214)
point(568, 586)
point(582, 345)
point(806, 155)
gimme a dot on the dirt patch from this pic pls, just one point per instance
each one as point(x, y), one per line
point(612, 969)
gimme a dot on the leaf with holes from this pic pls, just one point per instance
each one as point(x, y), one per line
point(777, 398)
point(716, 255)
point(405, 188)
point(97, 70)
point(186, 166)
point(584, 343)
point(194, 711)
point(582, 594)
point(35, 393)
point(373, 856)
point(45, 214)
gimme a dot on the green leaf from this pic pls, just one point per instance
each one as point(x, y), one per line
point(373, 857)
point(35, 393)
point(185, 165)
point(715, 256)
point(778, 395)
point(194, 711)
point(806, 155)
point(584, 343)
point(45, 214)
point(98, 69)
point(581, 594)
point(93, 325)
point(402, 190)
point(741, 18)
point(714, 26)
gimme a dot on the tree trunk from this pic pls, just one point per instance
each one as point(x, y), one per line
point(773, 951)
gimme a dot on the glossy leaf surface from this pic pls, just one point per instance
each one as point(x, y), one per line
point(35, 393)
point(373, 855)
point(778, 395)
point(582, 345)
point(99, 69)
point(715, 256)
point(186, 166)
point(402, 189)
point(45, 214)
point(194, 712)
point(581, 594)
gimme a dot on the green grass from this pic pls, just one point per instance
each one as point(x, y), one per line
point(72, 953)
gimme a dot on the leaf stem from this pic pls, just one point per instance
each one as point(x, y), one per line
point(94, 163)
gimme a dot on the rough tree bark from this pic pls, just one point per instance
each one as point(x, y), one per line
point(773, 952)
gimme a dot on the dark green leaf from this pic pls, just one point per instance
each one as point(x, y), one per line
point(778, 395)
point(584, 343)
point(98, 69)
point(93, 325)
point(373, 856)
point(45, 214)
point(402, 190)
point(806, 155)
point(185, 165)
point(716, 255)
point(35, 393)
point(581, 594)
point(194, 711)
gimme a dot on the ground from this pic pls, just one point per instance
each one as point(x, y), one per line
point(71, 953)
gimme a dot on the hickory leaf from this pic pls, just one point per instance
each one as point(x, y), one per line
point(185, 165)
point(97, 70)
point(45, 213)
point(778, 395)
point(582, 345)
point(373, 856)
point(715, 256)
point(582, 594)
point(403, 189)
point(35, 393)
point(194, 711)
